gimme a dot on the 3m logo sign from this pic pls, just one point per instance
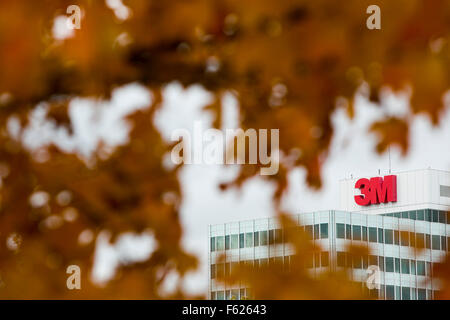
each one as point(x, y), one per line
point(376, 190)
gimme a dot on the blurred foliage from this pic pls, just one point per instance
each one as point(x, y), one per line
point(286, 61)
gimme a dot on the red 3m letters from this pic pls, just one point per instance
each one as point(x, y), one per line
point(376, 190)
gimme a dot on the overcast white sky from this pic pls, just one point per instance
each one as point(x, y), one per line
point(352, 152)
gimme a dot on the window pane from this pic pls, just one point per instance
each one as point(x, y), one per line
point(220, 243)
point(436, 242)
point(348, 231)
point(234, 241)
point(405, 266)
point(356, 232)
point(357, 262)
point(428, 215)
point(271, 237)
point(324, 231)
point(263, 238)
point(388, 236)
point(309, 231)
point(340, 259)
point(389, 264)
point(405, 293)
point(420, 215)
point(435, 214)
point(372, 234)
point(316, 231)
point(443, 243)
point(324, 259)
point(220, 295)
point(380, 235)
point(213, 271)
point(381, 263)
point(404, 238)
point(373, 260)
point(364, 233)
point(249, 239)
point(241, 240)
point(227, 242)
point(278, 236)
point(405, 215)
point(412, 215)
point(421, 294)
point(340, 230)
point(396, 237)
point(256, 238)
point(427, 241)
point(390, 293)
point(413, 267)
point(213, 243)
point(442, 216)
point(420, 268)
point(397, 265)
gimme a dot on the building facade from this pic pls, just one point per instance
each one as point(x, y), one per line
point(415, 201)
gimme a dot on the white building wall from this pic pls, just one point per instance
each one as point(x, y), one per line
point(416, 190)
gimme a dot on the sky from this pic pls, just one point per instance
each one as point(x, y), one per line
point(351, 153)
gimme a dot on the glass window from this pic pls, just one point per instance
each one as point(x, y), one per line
point(317, 259)
point(443, 243)
point(397, 265)
point(413, 267)
point(380, 235)
point(227, 242)
point(390, 295)
point(241, 240)
point(404, 238)
point(220, 242)
point(256, 238)
point(397, 293)
point(213, 295)
point(396, 237)
point(271, 236)
point(420, 215)
point(436, 242)
point(356, 232)
point(435, 214)
point(227, 295)
point(365, 262)
point(234, 241)
point(316, 231)
point(340, 259)
point(249, 239)
point(381, 263)
point(220, 295)
point(373, 260)
point(242, 294)
point(213, 271)
point(220, 270)
point(412, 215)
point(389, 264)
point(309, 231)
point(213, 243)
point(278, 236)
point(357, 261)
point(405, 215)
point(324, 259)
point(427, 241)
point(420, 240)
point(428, 215)
point(420, 268)
point(405, 266)
point(406, 293)
point(348, 231)
point(421, 294)
point(364, 233)
point(442, 216)
point(397, 215)
point(340, 230)
point(388, 236)
point(324, 231)
point(263, 238)
point(372, 234)
point(428, 268)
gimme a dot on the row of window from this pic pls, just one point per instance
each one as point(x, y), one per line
point(263, 238)
point(344, 259)
point(388, 236)
point(233, 294)
point(388, 292)
point(429, 215)
point(387, 264)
